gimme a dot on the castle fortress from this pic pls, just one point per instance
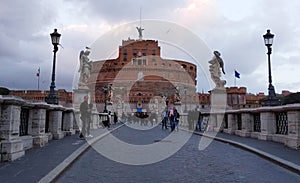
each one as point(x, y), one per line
point(140, 75)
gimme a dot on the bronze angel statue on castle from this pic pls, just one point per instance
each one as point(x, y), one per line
point(85, 67)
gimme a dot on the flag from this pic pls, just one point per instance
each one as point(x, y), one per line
point(236, 74)
point(38, 73)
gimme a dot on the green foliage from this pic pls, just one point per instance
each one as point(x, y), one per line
point(291, 99)
point(4, 91)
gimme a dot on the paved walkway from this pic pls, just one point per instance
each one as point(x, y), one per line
point(58, 154)
point(273, 151)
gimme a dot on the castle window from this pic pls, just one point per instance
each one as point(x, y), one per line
point(153, 52)
point(134, 52)
point(139, 61)
point(191, 67)
point(144, 52)
point(125, 52)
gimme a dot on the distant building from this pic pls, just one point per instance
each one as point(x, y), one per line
point(65, 97)
point(139, 76)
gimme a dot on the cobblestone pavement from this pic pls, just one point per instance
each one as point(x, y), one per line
point(220, 162)
point(39, 161)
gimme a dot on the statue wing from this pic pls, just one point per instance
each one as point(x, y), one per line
point(221, 64)
point(80, 61)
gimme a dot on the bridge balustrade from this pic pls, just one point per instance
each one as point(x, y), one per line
point(24, 124)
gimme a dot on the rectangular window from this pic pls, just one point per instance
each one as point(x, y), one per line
point(144, 52)
point(139, 61)
point(153, 52)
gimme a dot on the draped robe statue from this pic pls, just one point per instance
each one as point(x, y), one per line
point(217, 64)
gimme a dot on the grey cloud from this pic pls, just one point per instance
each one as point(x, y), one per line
point(119, 10)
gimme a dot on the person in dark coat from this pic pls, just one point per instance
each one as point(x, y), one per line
point(84, 116)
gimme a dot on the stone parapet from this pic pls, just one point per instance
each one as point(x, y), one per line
point(280, 124)
point(24, 124)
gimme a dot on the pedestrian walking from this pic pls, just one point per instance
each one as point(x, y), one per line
point(176, 118)
point(172, 119)
point(84, 116)
point(164, 119)
point(115, 117)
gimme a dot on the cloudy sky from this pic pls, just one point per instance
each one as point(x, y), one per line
point(233, 27)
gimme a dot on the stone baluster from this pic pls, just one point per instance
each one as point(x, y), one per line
point(11, 144)
point(37, 121)
point(247, 121)
point(68, 122)
point(294, 128)
point(55, 122)
point(231, 123)
point(268, 124)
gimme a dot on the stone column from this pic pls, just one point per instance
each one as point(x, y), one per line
point(55, 121)
point(11, 144)
point(268, 124)
point(231, 123)
point(293, 129)
point(68, 122)
point(218, 106)
point(247, 122)
point(38, 123)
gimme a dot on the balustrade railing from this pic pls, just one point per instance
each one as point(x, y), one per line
point(239, 121)
point(281, 123)
point(24, 117)
point(257, 123)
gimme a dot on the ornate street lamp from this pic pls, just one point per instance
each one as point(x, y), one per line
point(52, 98)
point(271, 100)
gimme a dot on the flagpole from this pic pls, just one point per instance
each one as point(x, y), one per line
point(38, 76)
point(234, 81)
point(38, 82)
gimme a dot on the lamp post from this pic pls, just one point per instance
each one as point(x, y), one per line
point(52, 98)
point(105, 89)
point(271, 100)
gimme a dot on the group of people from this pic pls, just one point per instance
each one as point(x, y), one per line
point(172, 116)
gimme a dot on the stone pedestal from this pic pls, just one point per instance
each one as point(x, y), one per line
point(246, 125)
point(38, 121)
point(12, 150)
point(268, 125)
point(68, 123)
point(231, 124)
point(293, 129)
point(218, 107)
point(55, 120)
point(11, 144)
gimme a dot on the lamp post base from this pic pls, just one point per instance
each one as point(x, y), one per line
point(52, 99)
point(271, 100)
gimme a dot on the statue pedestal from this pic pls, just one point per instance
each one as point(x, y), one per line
point(218, 106)
point(178, 107)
